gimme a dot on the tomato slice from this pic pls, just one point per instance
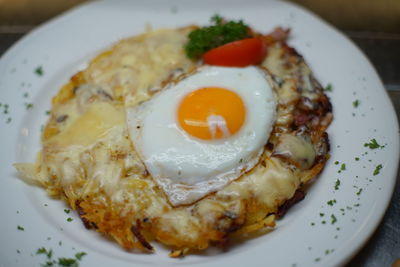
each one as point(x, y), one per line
point(239, 53)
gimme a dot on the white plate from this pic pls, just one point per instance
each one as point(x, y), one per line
point(65, 44)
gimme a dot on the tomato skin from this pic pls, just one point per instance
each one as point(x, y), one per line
point(239, 53)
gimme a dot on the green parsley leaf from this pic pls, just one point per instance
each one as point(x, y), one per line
point(67, 211)
point(343, 167)
point(377, 169)
point(331, 202)
point(79, 255)
point(48, 264)
point(219, 33)
point(373, 144)
point(337, 184)
point(328, 88)
point(28, 105)
point(41, 250)
point(70, 219)
point(20, 228)
point(356, 103)
point(359, 192)
point(333, 219)
point(39, 71)
point(68, 262)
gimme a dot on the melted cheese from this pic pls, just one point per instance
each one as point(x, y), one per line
point(296, 149)
point(266, 184)
point(92, 126)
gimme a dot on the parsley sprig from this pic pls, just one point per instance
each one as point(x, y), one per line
point(220, 33)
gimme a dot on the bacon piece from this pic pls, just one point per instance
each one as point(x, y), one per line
point(88, 224)
point(136, 232)
point(280, 34)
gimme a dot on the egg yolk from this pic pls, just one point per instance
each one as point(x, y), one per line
point(211, 113)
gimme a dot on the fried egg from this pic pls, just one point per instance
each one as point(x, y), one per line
point(199, 134)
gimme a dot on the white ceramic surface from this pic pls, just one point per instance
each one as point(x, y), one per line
point(65, 44)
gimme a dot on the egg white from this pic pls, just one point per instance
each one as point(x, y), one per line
point(188, 168)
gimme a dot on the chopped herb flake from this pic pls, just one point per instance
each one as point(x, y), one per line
point(359, 192)
point(70, 219)
point(39, 71)
point(356, 103)
point(20, 228)
point(337, 184)
point(321, 214)
point(331, 202)
point(333, 219)
point(357, 158)
point(377, 169)
point(67, 211)
point(79, 255)
point(336, 162)
point(373, 144)
point(41, 251)
point(68, 262)
point(343, 167)
point(49, 254)
point(8, 120)
point(28, 105)
point(329, 88)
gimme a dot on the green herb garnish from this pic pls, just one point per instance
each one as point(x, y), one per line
point(220, 33)
point(337, 184)
point(373, 144)
point(79, 255)
point(28, 105)
point(377, 169)
point(333, 217)
point(328, 88)
point(356, 103)
point(39, 71)
point(343, 167)
point(359, 192)
point(68, 262)
point(41, 251)
point(331, 202)
point(20, 228)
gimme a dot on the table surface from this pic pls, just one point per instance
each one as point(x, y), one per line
point(383, 50)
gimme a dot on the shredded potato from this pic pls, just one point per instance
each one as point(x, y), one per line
point(89, 161)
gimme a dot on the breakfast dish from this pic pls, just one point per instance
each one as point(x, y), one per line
point(160, 140)
point(342, 209)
